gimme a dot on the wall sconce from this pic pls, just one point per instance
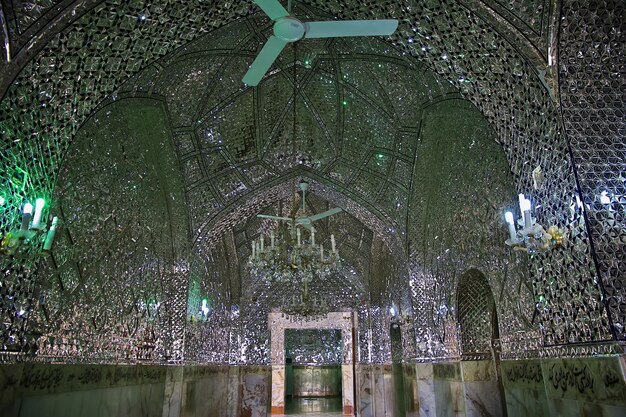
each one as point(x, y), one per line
point(530, 236)
point(31, 225)
point(397, 319)
point(204, 309)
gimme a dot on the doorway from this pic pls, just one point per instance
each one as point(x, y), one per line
point(313, 380)
point(312, 364)
point(399, 406)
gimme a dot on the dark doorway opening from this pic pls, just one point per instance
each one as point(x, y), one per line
point(313, 377)
point(397, 370)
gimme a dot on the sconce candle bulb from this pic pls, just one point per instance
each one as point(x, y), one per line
point(521, 199)
point(511, 223)
point(524, 205)
point(205, 307)
point(39, 205)
point(27, 215)
point(47, 245)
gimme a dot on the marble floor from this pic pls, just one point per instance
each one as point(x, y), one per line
point(313, 407)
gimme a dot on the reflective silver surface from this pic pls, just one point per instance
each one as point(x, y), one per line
point(423, 165)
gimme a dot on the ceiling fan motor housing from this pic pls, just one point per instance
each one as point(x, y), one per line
point(289, 29)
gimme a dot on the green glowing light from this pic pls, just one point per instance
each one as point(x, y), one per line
point(345, 103)
point(2, 201)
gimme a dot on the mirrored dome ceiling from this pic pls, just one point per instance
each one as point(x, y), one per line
point(356, 120)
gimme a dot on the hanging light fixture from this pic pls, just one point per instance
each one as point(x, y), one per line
point(294, 257)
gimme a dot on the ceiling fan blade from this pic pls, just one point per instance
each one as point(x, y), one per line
point(341, 28)
point(267, 216)
point(324, 214)
point(264, 60)
point(272, 8)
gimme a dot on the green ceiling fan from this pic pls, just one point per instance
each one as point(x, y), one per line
point(288, 29)
point(305, 221)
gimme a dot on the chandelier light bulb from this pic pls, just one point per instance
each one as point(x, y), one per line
point(28, 208)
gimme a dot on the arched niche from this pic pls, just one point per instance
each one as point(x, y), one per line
point(476, 314)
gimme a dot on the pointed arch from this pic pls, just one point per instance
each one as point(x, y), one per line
point(476, 313)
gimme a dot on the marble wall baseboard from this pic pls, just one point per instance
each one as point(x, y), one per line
point(140, 391)
point(467, 388)
point(566, 387)
point(81, 390)
point(594, 386)
point(375, 390)
point(550, 387)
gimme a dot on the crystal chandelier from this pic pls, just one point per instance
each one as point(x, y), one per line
point(295, 258)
